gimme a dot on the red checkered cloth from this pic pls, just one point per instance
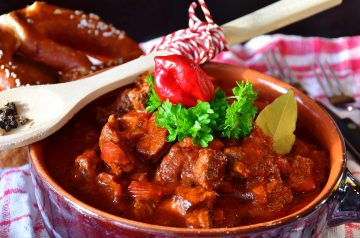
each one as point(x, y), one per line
point(19, 214)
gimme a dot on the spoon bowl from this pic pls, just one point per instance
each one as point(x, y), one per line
point(32, 103)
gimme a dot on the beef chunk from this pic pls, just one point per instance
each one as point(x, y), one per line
point(130, 98)
point(191, 156)
point(146, 196)
point(152, 145)
point(113, 149)
point(189, 197)
point(322, 167)
point(237, 161)
point(147, 191)
point(170, 166)
point(234, 152)
point(216, 144)
point(259, 194)
point(109, 132)
point(134, 98)
point(133, 120)
point(143, 209)
point(107, 185)
point(270, 199)
point(180, 204)
point(118, 161)
point(241, 169)
point(189, 164)
point(199, 218)
point(87, 164)
point(301, 174)
point(209, 169)
point(283, 164)
point(178, 163)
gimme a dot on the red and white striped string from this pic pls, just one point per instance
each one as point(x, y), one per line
point(201, 41)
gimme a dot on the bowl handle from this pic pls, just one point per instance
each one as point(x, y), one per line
point(347, 202)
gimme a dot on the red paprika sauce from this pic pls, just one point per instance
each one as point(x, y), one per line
point(123, 165)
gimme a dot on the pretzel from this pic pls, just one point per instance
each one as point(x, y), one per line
point(43, 44)
point(62, 40)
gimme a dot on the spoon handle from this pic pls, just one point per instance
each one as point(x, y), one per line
point(272, 17)
point(81, 92)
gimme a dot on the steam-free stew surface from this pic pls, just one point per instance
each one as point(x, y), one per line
point(122, 164)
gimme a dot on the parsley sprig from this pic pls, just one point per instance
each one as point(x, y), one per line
point(154, 101)
point(202, 121)
point(241, 113)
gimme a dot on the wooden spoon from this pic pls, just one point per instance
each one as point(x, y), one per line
point(51, 106)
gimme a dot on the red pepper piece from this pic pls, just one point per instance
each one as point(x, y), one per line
point(181, 80)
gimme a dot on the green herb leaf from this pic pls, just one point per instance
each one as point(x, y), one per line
point(219, 104)
point(194, 122)
point(200, 122)
point(278, 120)
point(154, 101)
point(241, 113)
point(203, 125)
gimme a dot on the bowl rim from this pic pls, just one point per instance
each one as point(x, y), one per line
point(37, 165)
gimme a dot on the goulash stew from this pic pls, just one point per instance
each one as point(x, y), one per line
point(184, 154)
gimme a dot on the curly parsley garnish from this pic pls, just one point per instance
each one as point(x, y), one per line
point(194, 122)
point(202, 121)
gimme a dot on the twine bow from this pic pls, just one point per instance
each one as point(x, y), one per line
point(201, 41)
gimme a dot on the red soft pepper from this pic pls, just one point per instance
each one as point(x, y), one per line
point(181, 80)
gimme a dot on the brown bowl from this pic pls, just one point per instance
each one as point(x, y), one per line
point(66, 216)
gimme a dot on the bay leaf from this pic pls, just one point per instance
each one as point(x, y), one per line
point(278, 120)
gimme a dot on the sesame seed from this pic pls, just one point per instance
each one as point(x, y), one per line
point(71, 17)
point(96, 32)
point(17, 82)
point(1, 54)
point(57, 11)
point(121, 35)
point(38, 82)
point(7, 73)
point(78, 12)
point(85, 24)
point(107, 34)
point(13, 75)
point(101, 26)
point(10, 63)
point(2, 66)
point(28, 20)
point(94, 16)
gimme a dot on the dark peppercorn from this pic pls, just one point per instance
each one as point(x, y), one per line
point(9, 118)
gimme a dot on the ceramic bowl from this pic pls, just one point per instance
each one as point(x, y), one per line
point(66, 216)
